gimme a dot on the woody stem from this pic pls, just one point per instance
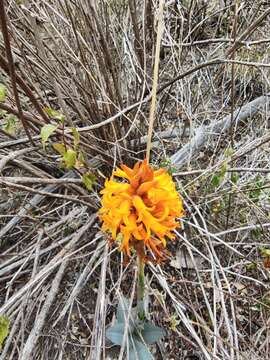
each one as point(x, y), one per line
point(155, 79)
point(140, 289)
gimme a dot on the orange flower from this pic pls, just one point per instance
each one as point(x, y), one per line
point(140, 211)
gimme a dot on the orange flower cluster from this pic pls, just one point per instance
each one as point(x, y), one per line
point(140, 212)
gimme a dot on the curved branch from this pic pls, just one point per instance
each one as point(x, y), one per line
point(204, 133)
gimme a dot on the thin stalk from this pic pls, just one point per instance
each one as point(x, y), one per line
point(232, 130)
point(140, 289)
point(11, 68)
point(155, 80)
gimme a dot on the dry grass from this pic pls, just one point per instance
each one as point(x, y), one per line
point(94, 60)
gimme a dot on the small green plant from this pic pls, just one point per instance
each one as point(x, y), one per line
point(10, 120)
point(54, 114)
point(256, 233)
point(89, 180)
point(167, 164)
point(256, 188)
point(264, 252)
point(3, 92)
point(235, 178)
point(139, 333)
point(4, 329)
point(219, 176)
point(217, 207)
point(71, 156)
point(11, 124)
point(174, 322)
point(263, 304)
point(252, 266)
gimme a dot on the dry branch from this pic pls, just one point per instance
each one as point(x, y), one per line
point(32, 180)
point(48, 194)
point(41, 276)
point(41, 317)
point(82, 280)
point(12, 156)
point(203, 134)
point(24, 210)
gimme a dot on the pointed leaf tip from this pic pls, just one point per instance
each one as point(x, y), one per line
point(115, 333)
point(46, 131)
point(152, 333)
point(122, 309)
point(138, 351)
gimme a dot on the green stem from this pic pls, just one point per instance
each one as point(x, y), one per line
point(140, 289)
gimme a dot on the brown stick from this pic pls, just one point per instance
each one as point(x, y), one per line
point(239, 42)
point(26, 116)
point(12, 68)
point(44, 193)
point(137, 41)
point(155, 81)
point(25, 88)
point(11, 156)
point(35, 180)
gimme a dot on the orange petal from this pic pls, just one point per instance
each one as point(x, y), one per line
point(127, 170)
point(145, 187)
point(120, 173)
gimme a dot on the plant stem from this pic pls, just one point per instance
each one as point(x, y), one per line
point(140, 289)
point(155, 80)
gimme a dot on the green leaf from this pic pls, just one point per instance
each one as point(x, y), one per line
point(167, 164)
point(69, 158)
point(223, 170)
point(60, 148)
point(152, 333)
point(81, 163)
point(89, 180)
point(116, 333)
point(257, 233)
point(235, 178)
point(252, 266)
point(265, 252)
point(138, 351)
point(174, 322)
point(122, 309)
point(46, 131)
point(123, 314)
point(119, 239)
point(54, 114)
point(4, 329)
point(215, 180)
point(76, 136)
point(11, 124)
point(81, 157)
point(3, 93)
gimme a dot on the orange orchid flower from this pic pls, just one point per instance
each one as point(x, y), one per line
point(140, 209)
